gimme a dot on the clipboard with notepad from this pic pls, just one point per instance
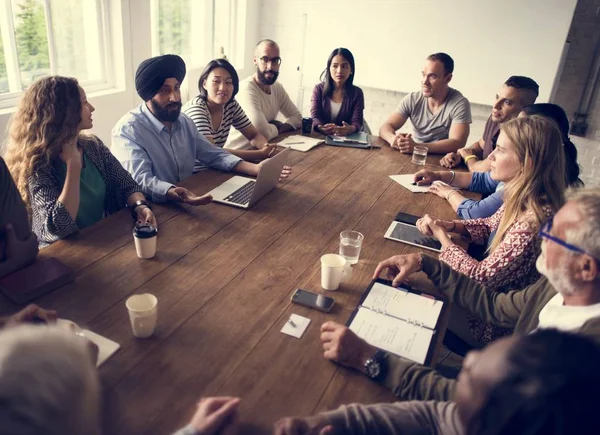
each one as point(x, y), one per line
point(300, 143)
point(402, 321)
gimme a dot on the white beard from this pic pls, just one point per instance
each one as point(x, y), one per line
point(559, 277)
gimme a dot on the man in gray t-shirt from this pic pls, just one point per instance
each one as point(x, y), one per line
point(440, 115)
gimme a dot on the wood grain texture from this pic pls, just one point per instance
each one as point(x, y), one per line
point(224, 277)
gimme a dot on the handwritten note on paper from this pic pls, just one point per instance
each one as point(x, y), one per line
point(403, 305)
point(406, 181)
point(400, 338)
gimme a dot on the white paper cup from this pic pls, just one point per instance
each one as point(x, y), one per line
point(143, 314)
point(145, 240)
point(332, 270)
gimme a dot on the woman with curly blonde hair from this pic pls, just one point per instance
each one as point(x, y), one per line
point(68, 180)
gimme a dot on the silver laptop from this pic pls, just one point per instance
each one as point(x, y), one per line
point(245, 192)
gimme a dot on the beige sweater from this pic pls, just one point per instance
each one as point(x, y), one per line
point(261, 109)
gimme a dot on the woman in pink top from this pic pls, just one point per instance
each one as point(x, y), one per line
point(527, 159)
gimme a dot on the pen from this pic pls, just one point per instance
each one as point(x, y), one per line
point(293, 143)
point(419, 179)
point(291, 323)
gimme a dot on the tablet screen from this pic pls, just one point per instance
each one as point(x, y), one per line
point(411, 235)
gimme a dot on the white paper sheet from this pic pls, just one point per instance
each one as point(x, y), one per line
point(300, 143)
point(404, 305)
point(392, 335)
point(298, 328)
point(106, 347)
point(406, 181)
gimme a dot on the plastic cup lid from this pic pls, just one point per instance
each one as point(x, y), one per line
point(145, 231)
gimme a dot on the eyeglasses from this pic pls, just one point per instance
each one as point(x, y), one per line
point(265, 60)
point(545, 233)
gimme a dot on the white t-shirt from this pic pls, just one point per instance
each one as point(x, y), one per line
point(261, 108)
point(335, 109)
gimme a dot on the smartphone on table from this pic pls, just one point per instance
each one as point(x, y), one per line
point(406, 218)
point(313, 300)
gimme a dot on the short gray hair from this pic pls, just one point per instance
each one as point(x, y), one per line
point(587, 235)
point(48, 384)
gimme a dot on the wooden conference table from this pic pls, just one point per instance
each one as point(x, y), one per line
point(224, 277)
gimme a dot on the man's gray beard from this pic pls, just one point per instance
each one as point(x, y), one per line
point(559, 278)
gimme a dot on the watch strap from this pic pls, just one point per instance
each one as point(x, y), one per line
point(137, 204)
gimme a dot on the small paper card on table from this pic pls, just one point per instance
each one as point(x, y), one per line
point(299, 325)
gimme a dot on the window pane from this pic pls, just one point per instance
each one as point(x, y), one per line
point(222, 46)
point(76, 39)
point(31, 38)
point(174, 27)
point(3, 75)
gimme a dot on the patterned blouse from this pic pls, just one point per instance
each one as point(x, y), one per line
point(511, 266)
point(50, 219)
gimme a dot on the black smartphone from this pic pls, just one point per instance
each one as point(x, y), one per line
point(406, 218)
point(313, 300)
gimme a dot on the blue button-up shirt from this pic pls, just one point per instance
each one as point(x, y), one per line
point(482, 182)
point(158, 158)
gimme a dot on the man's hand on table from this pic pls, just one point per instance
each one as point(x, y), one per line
point(399, 267)
point(216, 416)
point(30, 314)
point(451, 160)
point(315, 425)
point(343, 346)
point(181, 194)
point(269, 150)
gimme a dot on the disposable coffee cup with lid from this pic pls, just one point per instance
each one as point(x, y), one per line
point(144, 236)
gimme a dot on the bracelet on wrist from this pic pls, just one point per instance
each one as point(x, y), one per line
point(453, 174)
point(450, 194)
point(469, 157)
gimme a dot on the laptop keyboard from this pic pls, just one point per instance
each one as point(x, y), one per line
point(243, 194)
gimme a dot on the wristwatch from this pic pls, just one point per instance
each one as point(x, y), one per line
point(376, 366)
point(136, 205)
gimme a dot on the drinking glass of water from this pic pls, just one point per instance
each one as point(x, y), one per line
point(419, 156)
point(350, 244)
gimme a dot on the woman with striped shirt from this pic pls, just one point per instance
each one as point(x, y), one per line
point(215, 110)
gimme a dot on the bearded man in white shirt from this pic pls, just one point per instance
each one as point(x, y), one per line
point(263, 98)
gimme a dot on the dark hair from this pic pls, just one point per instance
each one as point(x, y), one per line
point(328, 85)
point(522, 82)
point(219, 63)
point(551, 388)
point(558, 115)
point(445, 59)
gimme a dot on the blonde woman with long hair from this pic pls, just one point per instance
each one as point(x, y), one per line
point(530, 161)
point(68, 180)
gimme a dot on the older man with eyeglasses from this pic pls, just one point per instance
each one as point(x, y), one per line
point(567, 298)
point(263, 99)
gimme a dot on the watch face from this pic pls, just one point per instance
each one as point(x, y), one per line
point(373, 369)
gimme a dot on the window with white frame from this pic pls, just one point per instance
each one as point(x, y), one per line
point(43, 37)
point(199, 30)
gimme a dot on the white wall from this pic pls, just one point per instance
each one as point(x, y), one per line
point(489, 40)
